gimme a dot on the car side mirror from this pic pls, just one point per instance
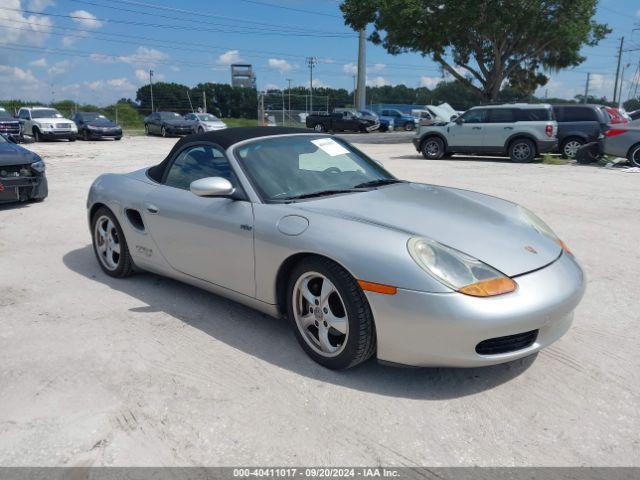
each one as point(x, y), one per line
point(458, 120)
point(212, 187)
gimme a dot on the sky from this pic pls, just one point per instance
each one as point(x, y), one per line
point(98, 51)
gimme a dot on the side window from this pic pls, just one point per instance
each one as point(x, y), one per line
point(579, 114)
point(501, 115)
point(24, 114)
point(534, 115)
point(479, 115)
point(198, 162)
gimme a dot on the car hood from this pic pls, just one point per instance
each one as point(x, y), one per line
point(214, 124)
point(102, 123)
point(485, 227)
point(4, 118)
point(12, 154)
point(51, 120)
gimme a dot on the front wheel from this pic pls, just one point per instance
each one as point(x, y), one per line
point(330, 314)
point(432, 148)
point(109, 244)
point(634, 155)
point(200, 130)
point(72, 138)
point(37, 137)
point(408, 127)
point(163, 132)
point(319, 128)
point(522, 151)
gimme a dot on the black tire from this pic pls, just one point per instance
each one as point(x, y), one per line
point(522, 150)
point(200, 130)
point(567, 149)
point(125, 265)
point(318, 127)
point(37, 137)
point(163, 131)
point(118, 139)
point(432, 148)
point(409, 127)
point(72, 139)
point(85, 135)
point(634, 155)
point(146, 129)
point(361, 339)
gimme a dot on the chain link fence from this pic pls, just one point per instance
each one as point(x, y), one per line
point(287, 109)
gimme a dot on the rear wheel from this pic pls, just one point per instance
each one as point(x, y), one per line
point(408, 127)
point(146, 129)
point(330, 314)
point(109, 244)
point(432, 148)
point(570, 147)
point(522, 150)
point(634, 155)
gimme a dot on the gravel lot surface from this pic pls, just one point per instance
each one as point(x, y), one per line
point(147, 371)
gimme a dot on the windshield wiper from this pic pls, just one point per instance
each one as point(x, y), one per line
point(378, 183)
point(322, 193)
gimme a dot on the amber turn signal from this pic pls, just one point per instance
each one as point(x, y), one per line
point(377, 288)
point(490, 288)
point(565, 247)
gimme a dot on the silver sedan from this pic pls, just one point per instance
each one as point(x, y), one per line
point(306, 227)
point(624, 141)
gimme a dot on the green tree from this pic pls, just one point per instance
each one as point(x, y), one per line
point(484, 43)
point(166, 96)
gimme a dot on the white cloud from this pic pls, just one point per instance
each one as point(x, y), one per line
point(115, 84)
point(429, 82)
point(279, 64)
point(40, 63)
point(34, 29)
point(141, 57)
point(142, 76)
point(38, 5)
point(59, 68)
point(271, 86)
point(86, 19)
point(377, 82)
point(229, 57)
point(67, 41)
point(9, 75)
point(600, 84)
point(328, 61)
point(352, 68)
point(317, 83)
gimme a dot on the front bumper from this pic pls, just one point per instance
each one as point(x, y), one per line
point(24, 188)
point(52, 134)
point(442, 329)
point(547, 146)
point(110, 133)
point(179, 130)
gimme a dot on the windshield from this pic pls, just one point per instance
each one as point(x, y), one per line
point(207, 117)
point(46, 113)
point(169, 115)
point(2, 110)
point(89, 117)
point(288, 167)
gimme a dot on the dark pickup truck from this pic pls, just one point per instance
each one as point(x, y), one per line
point(9, 126)
point(340, 121)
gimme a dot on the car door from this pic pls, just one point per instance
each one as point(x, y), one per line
point(468, 133)
point(207, 238)
point(499, 127)
point(25, 120)
point(154, 123)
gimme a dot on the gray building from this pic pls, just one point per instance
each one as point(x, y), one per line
point(242, 75)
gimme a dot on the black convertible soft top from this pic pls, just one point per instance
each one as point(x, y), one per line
point(224, 138)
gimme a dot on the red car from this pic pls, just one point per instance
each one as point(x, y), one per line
point(615, 115)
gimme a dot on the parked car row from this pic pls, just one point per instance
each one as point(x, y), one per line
point(520, 131)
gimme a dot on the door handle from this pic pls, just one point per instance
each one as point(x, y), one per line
point(477, 128)
point(508, 128)
point(152, 209)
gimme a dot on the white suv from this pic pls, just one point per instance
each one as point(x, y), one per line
point(520, 131)
point(44, 122)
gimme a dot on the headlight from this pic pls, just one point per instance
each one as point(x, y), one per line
point(457, 270)
point(38, 166)
point(45, 126)
point(542, 228)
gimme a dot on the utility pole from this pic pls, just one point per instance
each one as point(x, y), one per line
point(289, 93)
point(354, 91)
point(190, 104)
point(312, 62)
point(151, 87)
point(586, 88)
point(361, 96)
point(204, 100)
point(615, 88)
point(621, 84)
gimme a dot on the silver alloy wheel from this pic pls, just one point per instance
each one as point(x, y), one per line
point(635, 157)
point(432, 148)
point(107, 242)
point(571, 148)
point(320, 314)
point(521, 151)
point(319, 128)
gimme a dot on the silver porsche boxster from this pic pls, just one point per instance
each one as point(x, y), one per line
point(307, 227)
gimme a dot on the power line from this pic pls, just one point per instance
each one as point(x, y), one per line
point(173, 27)
point(288, 28)
point(292, 9)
